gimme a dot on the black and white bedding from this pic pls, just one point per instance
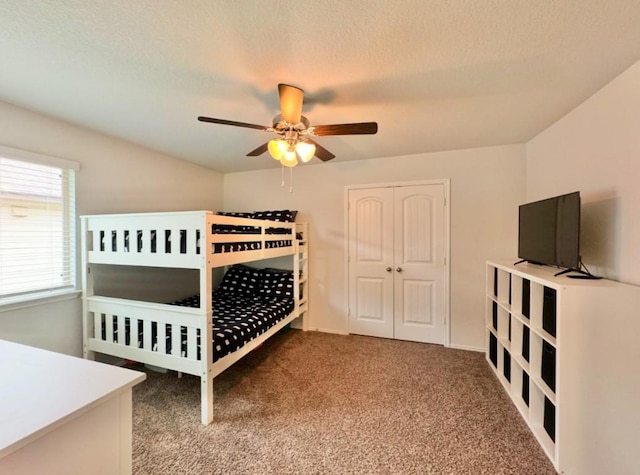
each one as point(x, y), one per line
point(282, 216)
point(246, 304)
point(238, 319)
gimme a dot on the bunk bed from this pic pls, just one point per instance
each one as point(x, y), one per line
point(250, 305)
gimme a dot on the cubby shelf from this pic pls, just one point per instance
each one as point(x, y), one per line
point(552, 342)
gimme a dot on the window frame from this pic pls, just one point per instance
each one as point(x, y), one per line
point(45, 296)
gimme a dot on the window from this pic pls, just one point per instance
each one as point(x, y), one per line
point(37, 225)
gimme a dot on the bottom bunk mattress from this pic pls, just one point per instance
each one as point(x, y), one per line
point(238, 319)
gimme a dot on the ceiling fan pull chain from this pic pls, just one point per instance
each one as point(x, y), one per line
point(282, 167)
point(291, 180)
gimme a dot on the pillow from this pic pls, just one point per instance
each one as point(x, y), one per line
point(241, 279)
point(283, 216)
point(237, 214)
point(276, 283)
point(274, 270)
point(230, 228)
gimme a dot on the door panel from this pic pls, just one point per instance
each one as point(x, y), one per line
point(419, 263)
point(370, 254)
point(370, 294)
point(417, 296)
point(417, 228)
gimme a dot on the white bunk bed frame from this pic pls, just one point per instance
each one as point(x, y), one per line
point(200, 255)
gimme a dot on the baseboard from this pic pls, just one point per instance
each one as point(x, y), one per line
point(325, 330)
point(467, 348)
point(455, 347)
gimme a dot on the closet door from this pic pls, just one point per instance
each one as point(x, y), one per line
point(419, 263)
point(371, 262)
point(397, 269)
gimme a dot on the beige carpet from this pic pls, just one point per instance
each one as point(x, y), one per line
point(315, 403)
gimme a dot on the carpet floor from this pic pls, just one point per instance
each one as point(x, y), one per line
point(316, 403)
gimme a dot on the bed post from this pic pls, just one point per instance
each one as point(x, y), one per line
point(206, 377)
point(301, 274)
point(206, 391)
point(87, 289)
point(206, 307)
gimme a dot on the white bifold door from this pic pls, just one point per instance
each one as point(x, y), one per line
point(397, 267)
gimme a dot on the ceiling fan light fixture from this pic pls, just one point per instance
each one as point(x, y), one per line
point(305, 151)
point(277, 148)
point(289, 158)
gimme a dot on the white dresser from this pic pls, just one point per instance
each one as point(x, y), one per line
point(63, 415)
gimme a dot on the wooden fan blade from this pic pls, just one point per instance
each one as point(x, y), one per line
point(290, 103)
point(321, 152)
point(231, 122)
point(360, 128)
point(259, 151)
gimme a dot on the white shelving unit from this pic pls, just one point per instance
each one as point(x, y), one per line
point(566, 351)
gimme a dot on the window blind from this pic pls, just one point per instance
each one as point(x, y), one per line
point(37, 227)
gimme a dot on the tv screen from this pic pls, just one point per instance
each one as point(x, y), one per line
point(549, 231)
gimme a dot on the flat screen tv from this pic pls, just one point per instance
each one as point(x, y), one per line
point(549, 231)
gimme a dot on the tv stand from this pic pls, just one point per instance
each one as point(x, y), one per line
point(566, 352)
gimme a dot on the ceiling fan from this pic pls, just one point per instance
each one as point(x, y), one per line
point(295, 131)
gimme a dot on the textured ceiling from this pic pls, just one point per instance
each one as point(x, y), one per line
point(435, 74)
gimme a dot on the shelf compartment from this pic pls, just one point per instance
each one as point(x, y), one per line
point(504, 286)
point(499, 285)
point(520, 389)
point(543, 312)
point(492, 344)
point(543, 421)
point(543, 334)
point(492, 313)
point(548, 365)
point(526, 344)
point(549, 310)
point(545, 381)
point(516, 294)
point(525, 302)
point(504, 326)
point(506, 364)
point(520, 342)
point(492, 279)
point(501, 372)
point(537, 292)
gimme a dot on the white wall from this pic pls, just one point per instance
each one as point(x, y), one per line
point(595, 149)
point(115, 176)
point(487, 185)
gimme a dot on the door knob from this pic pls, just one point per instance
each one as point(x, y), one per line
point(398, 269)
point(389, 269)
